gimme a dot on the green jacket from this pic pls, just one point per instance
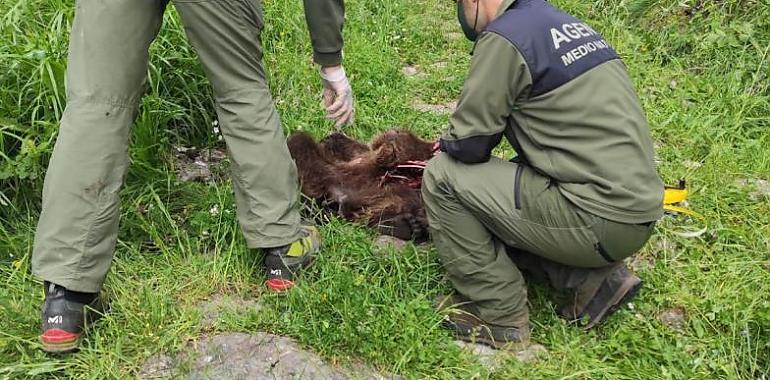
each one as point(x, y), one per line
point(325, 19)
point(558, 92)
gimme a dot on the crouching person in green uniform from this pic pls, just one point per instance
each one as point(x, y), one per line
point(581, 195)
point(107, 66)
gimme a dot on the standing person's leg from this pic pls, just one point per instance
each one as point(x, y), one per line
point(226, 36)
point(77, 230)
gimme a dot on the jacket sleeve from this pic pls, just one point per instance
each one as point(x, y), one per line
point(325, 19)
point(498, 76)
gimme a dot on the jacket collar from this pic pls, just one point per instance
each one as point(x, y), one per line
point(504, 6)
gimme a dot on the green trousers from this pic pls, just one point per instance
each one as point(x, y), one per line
point(107, 66)
point(490, 220)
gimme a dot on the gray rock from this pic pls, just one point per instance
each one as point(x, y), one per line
point(160, 366)
point(532, 353)
point(258, 356)
point(492, 359)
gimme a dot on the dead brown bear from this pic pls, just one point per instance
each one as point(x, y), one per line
point(371, 184)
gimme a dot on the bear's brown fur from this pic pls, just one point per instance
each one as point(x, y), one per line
point(347, 178)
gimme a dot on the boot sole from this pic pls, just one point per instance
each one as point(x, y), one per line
point(509, 346)
point(62, 347)
point(625, 294)
point(458, 327)
point(285, 285)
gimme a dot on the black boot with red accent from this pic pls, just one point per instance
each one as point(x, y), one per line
point(283, 263)
point(64, 316)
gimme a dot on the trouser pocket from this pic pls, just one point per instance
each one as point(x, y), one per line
point(517, 186)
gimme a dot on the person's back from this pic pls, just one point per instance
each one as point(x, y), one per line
point(575, 116)
point(580, 121)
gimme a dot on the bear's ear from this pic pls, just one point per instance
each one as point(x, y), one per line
point(383, 138)
point(387, 155)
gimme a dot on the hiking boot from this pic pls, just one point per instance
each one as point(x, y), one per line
point(462, 319)
point(283, 263)
point(64, 318)
point(601, 294)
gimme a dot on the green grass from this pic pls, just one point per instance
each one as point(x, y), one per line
point(701, 70)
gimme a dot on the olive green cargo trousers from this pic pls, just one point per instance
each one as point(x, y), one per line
point(492, 219)
point(107, 66)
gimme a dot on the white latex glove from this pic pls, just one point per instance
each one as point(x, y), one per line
point(337, 96)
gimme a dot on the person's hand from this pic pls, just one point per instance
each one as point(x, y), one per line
point(337, 95)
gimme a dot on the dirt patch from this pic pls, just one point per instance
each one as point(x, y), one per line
point(411, 70)
point(200, 165)
point(672, 85)
point(664, 244)
point(674, 319)
point(759, 189)
point(443, 108)
point(440, 65)
point(493, 359)
point(453, 35)
point(639, 263)
point(259, 356)
point(692, 10)
point(692, 165)
point(383, 242)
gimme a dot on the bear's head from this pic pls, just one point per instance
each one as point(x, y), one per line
point(405, 146)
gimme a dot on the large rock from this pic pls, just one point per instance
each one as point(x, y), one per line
point(248, 356)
